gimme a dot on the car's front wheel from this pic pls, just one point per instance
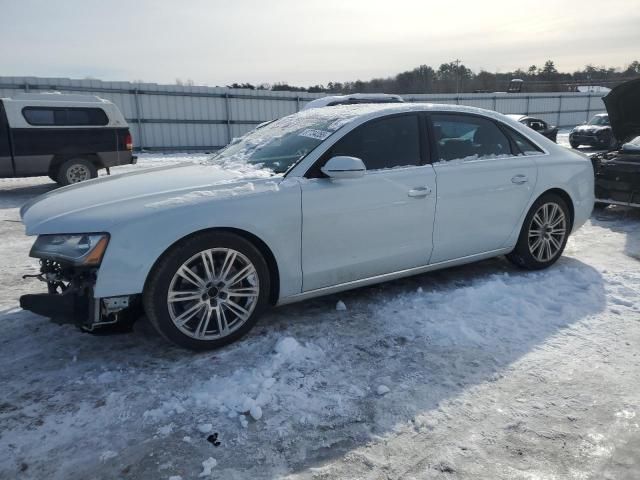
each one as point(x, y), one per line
point(544, 233)
point(574, 144)
point(208, 290)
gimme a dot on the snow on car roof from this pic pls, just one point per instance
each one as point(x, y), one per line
point(359, 97)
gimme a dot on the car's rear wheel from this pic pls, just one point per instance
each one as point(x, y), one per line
point(76, 170)
point(574, 144)
point(544, 233)
point(207, 291)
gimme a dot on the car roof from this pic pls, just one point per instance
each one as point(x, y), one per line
point(54, 97)
point(380, 109)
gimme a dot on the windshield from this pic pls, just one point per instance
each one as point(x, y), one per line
point(281, 144)
point(599, 120)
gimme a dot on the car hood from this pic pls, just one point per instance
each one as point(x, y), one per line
point(95, 205)
point(590, 129)
point(623, 106)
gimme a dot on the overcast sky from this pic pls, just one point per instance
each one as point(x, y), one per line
point(306, 42)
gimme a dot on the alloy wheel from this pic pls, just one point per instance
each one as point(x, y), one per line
point(213, 293)
point(547, 232)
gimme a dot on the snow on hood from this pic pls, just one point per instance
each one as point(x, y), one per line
point(590, 128)
point(623, 106)
point(112, 199)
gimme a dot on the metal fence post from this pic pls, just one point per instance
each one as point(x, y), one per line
point(228, 119)
point(559, 111)
point(527, 107)
point(297, 104)
point(26, 87)
point(495, 103)
point(588, 107)
point(138, 117)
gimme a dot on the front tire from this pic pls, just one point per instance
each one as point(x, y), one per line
point(544, 233)
point(573, 144)
point(207, 291)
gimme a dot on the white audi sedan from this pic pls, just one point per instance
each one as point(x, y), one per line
point(318, 202)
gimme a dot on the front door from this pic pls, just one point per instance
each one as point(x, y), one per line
point(485, 182)
point(380, 223)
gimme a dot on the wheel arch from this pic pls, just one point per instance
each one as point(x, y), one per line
point(256, 241)
point(59, 159)
point(567, 199)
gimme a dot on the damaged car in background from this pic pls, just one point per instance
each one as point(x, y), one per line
point(537, 124)
point(617, 172)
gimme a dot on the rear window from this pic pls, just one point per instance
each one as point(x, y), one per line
point(58, 116)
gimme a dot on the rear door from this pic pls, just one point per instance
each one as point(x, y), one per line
point(485, 182)
point(6, 162)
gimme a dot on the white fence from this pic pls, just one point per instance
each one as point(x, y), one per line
point(181, 118)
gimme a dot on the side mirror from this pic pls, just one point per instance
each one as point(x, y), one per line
point(344, 167)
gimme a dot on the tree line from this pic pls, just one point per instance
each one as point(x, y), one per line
point(455, 77)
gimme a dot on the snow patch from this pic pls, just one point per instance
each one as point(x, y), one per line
point(205, 428)
point(207, 466)
point(107, 455)
point(383, 390)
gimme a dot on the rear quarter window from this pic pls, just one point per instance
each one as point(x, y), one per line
point(65, 116)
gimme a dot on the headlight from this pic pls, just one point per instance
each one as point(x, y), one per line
point(78, 249)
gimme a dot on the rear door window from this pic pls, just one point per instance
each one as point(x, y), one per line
point(525, 146)
point(468, 137)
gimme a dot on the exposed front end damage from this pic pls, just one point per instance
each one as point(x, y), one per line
point(70, 298)
point(617, 178)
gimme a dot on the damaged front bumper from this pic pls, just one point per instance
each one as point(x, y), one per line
point(70, 299)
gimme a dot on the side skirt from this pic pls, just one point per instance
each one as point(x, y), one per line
point(391, 276)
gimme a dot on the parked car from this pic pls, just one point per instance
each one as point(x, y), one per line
point(540, 126)
point(596, 133)
point(67, 137)
point(321, 201)
point(617, 173)
point(353, 99)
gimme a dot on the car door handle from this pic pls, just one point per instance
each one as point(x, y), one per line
point(519, 179)
point(419, 192)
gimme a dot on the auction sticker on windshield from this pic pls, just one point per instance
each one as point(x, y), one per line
point(313, 133)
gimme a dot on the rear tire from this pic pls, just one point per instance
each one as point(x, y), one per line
point(573, 144)
point(76, 170)
point(207, 291)
point(544, 233)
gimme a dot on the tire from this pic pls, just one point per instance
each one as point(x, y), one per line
point(203, 303)
point(76, 170)
point(530, 254)
point(573, 144)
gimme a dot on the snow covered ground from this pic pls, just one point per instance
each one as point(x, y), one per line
point(482, 371)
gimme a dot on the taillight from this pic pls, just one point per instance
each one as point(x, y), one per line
point(128, 142)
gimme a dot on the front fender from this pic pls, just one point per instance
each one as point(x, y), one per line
point(273, 215)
